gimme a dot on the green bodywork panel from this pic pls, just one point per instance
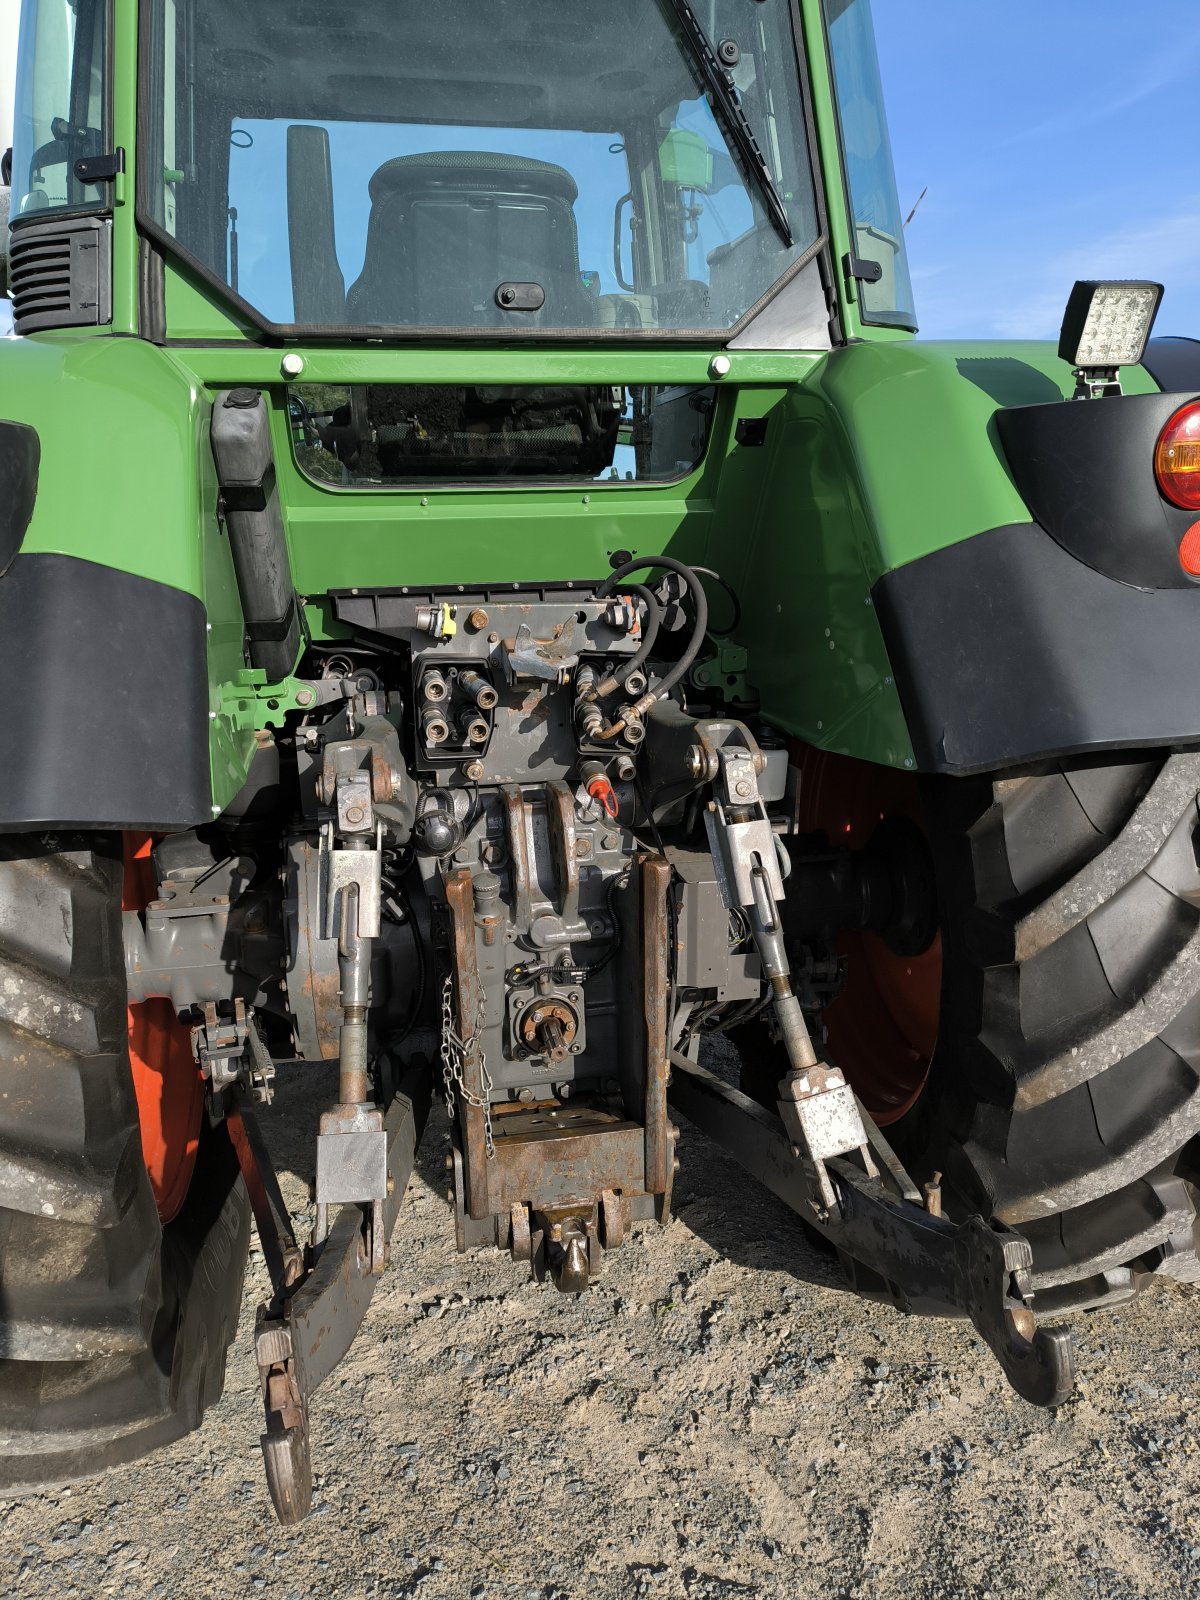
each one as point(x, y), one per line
point(873, 456)
point(127, 480)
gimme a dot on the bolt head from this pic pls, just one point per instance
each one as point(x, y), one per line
point(719, 367)
point(292, 364)
point(742, 788)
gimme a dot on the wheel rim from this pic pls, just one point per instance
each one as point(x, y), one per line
point(883, 1026)
point(166, 1079)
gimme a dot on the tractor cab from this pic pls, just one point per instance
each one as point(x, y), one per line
point(500, 170)
point(503, 172)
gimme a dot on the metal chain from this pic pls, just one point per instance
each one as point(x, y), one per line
point(455, 1052)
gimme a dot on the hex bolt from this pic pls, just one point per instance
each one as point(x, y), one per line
point(304, 697)
point(478, 619)
point(743, 788)
point(292, 364)
point(719, 367)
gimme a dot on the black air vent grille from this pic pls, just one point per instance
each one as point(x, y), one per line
point(60, 273)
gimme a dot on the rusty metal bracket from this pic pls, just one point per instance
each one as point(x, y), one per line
point(656, 989)
point(974, 1269)
point(469, 999)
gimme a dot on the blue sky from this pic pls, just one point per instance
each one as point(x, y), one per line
point(1057, 139)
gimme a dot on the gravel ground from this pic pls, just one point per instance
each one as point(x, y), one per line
point(716, 1419)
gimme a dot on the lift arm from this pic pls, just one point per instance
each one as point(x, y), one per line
point(974, 1269)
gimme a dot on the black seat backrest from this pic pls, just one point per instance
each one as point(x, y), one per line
point(448, 227)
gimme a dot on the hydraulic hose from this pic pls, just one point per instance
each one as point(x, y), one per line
point(699, 627)
point(650, 628)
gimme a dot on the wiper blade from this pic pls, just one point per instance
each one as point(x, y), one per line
point(727, 108)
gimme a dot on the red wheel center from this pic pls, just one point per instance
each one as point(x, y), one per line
point(166, 1079)
point(883, 1025)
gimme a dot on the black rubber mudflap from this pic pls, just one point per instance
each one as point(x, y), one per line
point(113, 1330)
point(1065, 1092)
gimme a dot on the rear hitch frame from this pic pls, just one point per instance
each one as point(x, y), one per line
point(932, 1266)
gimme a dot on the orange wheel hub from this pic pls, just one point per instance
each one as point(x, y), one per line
point(883, 1025)
point(166, 1079)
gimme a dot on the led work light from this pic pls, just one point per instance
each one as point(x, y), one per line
point(1105, 327)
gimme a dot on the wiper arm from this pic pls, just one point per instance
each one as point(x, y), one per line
point(727, 107)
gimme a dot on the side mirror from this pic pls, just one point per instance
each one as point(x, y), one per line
point(5, 197)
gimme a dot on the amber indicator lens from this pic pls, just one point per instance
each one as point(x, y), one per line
point(1177, 458)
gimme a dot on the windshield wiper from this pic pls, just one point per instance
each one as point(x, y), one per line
point(727, 108)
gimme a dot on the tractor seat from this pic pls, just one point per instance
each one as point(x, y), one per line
point(448, 227)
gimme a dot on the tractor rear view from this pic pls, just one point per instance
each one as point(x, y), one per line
point(494, 594)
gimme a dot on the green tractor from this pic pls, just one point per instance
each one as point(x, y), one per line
point(493, 595)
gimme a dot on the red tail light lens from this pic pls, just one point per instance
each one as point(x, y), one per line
point(1177, 458)
point(1189, 551)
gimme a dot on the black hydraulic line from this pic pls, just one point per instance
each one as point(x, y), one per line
point(732, 625)
point(394, 1041)
point(699, 629)
point(650, 630)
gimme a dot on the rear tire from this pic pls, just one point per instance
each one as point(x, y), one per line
point(113, 1327)
point(1063, 1096)
point(1064, 1093)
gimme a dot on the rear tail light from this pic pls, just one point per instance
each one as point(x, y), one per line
point(1189, 551)
point(1177, 458)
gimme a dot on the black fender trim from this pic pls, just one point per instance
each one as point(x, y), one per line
point(1006, 649)
point(1085, 471)
point(1174, 364)
point(20, 459)
point(105, 715)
